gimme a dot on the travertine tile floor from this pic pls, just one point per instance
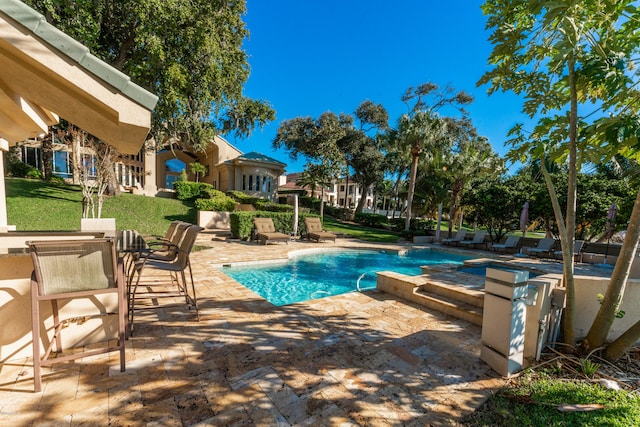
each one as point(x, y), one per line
point(361, 359)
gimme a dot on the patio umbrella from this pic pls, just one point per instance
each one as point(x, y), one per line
point(611, 219)
point(524, 219)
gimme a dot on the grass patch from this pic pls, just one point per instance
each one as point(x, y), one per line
point(534, 399)
point(37, 205)
point(360, 232)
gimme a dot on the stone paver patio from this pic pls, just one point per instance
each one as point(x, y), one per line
point(360, 359)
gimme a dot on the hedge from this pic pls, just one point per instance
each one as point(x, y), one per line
point(371, 220)
point(219, 203)
point(189, 190)
point(242, 222)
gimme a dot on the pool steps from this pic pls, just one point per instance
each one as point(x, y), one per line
point(460, 304)
point(442, 295)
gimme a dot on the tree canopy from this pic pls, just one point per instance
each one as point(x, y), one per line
point(188, 53)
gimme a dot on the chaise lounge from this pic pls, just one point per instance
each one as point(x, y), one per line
point(511, 244)
point(266, 231)
point(543, 248)
point(459, 237)
point(315, 231)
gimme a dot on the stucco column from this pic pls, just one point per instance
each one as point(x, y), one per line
point(150, 177)
point(4, 147)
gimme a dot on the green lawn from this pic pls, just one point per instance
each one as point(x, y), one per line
point(37, 205)
point(538, 399)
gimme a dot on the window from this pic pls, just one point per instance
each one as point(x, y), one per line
point(269, 185)
point(257, 182)
point(244, 182)
point(342, 188)
point(250, 182)
point(61, 164)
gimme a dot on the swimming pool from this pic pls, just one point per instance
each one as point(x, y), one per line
point(481, 270)
point(318, 275)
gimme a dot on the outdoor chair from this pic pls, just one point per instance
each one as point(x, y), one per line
point(147, 294)
point(577, 251)
point(65, 270)
point(543, 248)
point(315, 231)
point(478, 239)
point(166, 248)
point(459, 237)
point(266, 231)
point(511, 244)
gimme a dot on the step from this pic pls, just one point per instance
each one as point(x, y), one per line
point(456, 292)
point(455, 308)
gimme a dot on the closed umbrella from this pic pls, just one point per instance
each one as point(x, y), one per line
point(524, 219)
point(611, 219)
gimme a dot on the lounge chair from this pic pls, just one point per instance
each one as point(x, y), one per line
point(478, 239)
point(459, 237)
point(543, 248)
point(577, 251)
point(266, 231)
point(315, 231)
point(511, 243)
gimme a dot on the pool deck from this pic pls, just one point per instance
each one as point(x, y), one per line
point(360, 359)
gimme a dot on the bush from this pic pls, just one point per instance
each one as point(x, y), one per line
point(18, 169)
point(344, 214)
point(209, 193)
point(371, 220)
point(397, 224)
point(189, 190)
point(219, 204)
point(34, 174)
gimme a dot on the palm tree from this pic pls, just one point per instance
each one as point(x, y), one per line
point(472, 157)
point(316, 175)
point(422, 130)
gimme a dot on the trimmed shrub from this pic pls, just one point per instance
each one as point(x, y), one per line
point(209, 193)
point(189, 190)
point(371, 220)
point(219, 203)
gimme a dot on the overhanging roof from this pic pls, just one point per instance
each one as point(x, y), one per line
point(46, 74)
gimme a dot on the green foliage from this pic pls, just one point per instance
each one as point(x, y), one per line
point(18, 169)
point(219, 204)
point(344, 214)
point(198, 76)
point(371, 220)
point(243, 198)
point(189, 190)
point(588, 367)
point(198, 170)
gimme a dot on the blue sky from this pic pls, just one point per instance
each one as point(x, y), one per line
point(308, 57)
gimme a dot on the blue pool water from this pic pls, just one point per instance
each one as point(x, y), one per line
point(331, 273)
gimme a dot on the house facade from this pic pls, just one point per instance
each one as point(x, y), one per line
point(341, 191)
point(152, 173)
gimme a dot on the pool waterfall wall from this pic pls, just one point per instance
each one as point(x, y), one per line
point(538, 329)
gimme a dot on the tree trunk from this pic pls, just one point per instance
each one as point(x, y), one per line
point(412, 186)
point(615, 291)
point(47, 156)
point(567, 258)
